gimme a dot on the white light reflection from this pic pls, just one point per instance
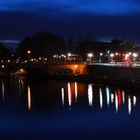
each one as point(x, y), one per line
point(29, 98)
point(116, 102)
point(134, 100)
point(123, 97)
point(3, 90)
point(90, 95)
point(101, 98)
point(75, 91)
point(129, 105)
point(20, 86)
point(69, 95)
point(107, 96)
point(62, 91)
point(112, 98)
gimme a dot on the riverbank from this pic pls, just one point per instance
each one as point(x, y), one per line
point(131, 83)
point(119, 76)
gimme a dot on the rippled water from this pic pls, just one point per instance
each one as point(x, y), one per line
point(51, 109)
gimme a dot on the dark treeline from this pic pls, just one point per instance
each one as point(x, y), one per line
point(41, 44)
point(4, 52)
point(46, 44)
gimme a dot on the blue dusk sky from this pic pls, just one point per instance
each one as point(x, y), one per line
point(106, 19)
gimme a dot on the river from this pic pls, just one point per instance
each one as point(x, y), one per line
point(53, 109)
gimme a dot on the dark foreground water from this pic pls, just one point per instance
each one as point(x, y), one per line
point(49, 109)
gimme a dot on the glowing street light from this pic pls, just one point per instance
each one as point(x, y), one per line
point(28, 52)
point(126, 55)
point(101, 54)
point(112, 55)
point(135, 55)
point(90, 55)
point(28, 55)
point(69, 54)
point(3, 66)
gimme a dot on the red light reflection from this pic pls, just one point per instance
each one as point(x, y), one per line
point(119, 97)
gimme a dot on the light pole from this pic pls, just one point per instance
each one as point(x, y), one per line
point(28, 54)
point(90, 56)
point(135, 55)
point(101, 54)
point(112, 56)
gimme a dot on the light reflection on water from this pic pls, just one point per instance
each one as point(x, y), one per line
point(104, 97)
point(29, 98)
point(76, 91)
point(90, 95)
point(52, 109)
point(3, 88)
point(101, 98)
point(67, 95)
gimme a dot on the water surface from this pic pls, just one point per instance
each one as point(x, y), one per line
point(51, 109)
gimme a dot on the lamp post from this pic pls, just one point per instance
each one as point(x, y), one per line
point(28, 54)
point(100, 59)
point(135, 55)
point(112, 57)
point(90, 56)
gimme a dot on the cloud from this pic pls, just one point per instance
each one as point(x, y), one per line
point(10, 41)
point(110, 7)
point(21, 5)
point(106, 18)
point(102, 7)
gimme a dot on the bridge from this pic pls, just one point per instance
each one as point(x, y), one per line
point(14, 69)
point(119, 70)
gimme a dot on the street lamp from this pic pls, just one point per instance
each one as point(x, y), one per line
point(112, 57)
point(100, 58)
point(90, 55)
point(28, 54)
point(135, 55)
point(101, 54)
point(69, 54)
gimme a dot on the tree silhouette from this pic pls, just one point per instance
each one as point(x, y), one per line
point(41, 44)
point(4, 52)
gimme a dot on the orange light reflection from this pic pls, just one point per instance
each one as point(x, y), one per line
point(29, 98)
point(76, 91)
point(123, 97)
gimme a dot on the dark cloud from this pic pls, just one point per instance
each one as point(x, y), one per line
point(18, 25)
point(110, 18)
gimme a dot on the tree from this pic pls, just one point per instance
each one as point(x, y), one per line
point(41, 44)
point(4, 52)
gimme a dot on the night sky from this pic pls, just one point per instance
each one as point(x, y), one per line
point(106, 19)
